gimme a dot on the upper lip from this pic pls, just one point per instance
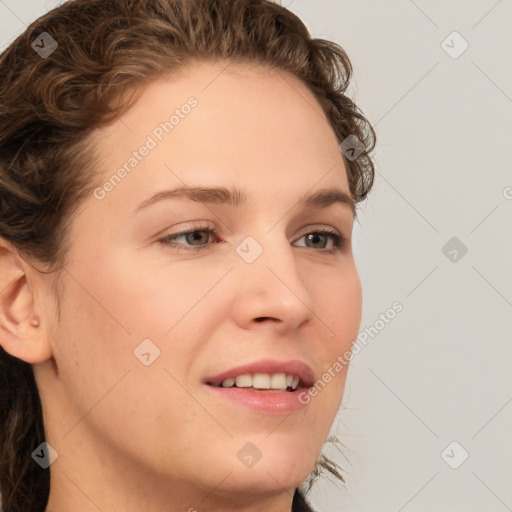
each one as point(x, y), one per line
point(294, 367)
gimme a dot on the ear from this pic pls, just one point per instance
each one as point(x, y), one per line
point(22, 334)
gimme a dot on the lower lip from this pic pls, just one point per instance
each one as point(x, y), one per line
point(270, 402)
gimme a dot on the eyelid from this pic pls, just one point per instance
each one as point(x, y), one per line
point(205, 227)
point(340, 241)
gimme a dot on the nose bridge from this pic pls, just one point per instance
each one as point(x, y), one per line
point(264, 250)
point(271, 281)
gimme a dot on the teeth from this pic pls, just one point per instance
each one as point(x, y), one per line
point(261, 381)
point(228, 383)
point(243, 381)
point(279, 381)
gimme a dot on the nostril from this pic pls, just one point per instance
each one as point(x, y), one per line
point(263, 318)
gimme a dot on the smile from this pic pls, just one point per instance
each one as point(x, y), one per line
point(262, 381)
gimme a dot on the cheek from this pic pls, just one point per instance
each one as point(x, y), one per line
point(110, 392)
point(340, 308)
point(154, 300)
point(107, 311)
point(93, 347)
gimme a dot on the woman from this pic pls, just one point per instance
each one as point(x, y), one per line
point(178, 185)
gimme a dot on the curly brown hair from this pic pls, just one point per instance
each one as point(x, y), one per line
point(50, 105)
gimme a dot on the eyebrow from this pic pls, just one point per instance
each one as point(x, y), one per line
point(236, 197)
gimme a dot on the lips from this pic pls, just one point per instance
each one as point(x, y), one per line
point(270, 366)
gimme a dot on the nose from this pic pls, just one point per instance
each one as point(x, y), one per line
point(272, 288)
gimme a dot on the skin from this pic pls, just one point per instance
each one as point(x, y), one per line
point(132, 437)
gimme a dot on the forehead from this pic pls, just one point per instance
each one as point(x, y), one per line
point(242, 98)
point(248, 125)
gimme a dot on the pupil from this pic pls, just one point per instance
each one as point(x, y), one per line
point(195, 235)
point(314, 237)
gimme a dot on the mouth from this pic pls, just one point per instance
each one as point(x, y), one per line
point(265, 375)
point(267, 386)
point(269, 382)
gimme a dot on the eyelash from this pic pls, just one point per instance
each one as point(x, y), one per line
point(339, 241)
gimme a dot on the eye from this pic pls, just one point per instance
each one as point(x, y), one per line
point(190, 236)
point(339, 242)
point(197, 238)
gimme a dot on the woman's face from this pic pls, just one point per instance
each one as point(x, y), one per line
point(144, 324)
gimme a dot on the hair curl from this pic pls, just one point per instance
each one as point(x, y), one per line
point(50, 106)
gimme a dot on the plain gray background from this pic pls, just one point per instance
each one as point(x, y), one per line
point(433, 385)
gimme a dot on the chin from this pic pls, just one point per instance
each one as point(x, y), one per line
point(265, 480)
point(277, 468)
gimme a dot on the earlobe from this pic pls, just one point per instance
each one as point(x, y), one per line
point(21, 333)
